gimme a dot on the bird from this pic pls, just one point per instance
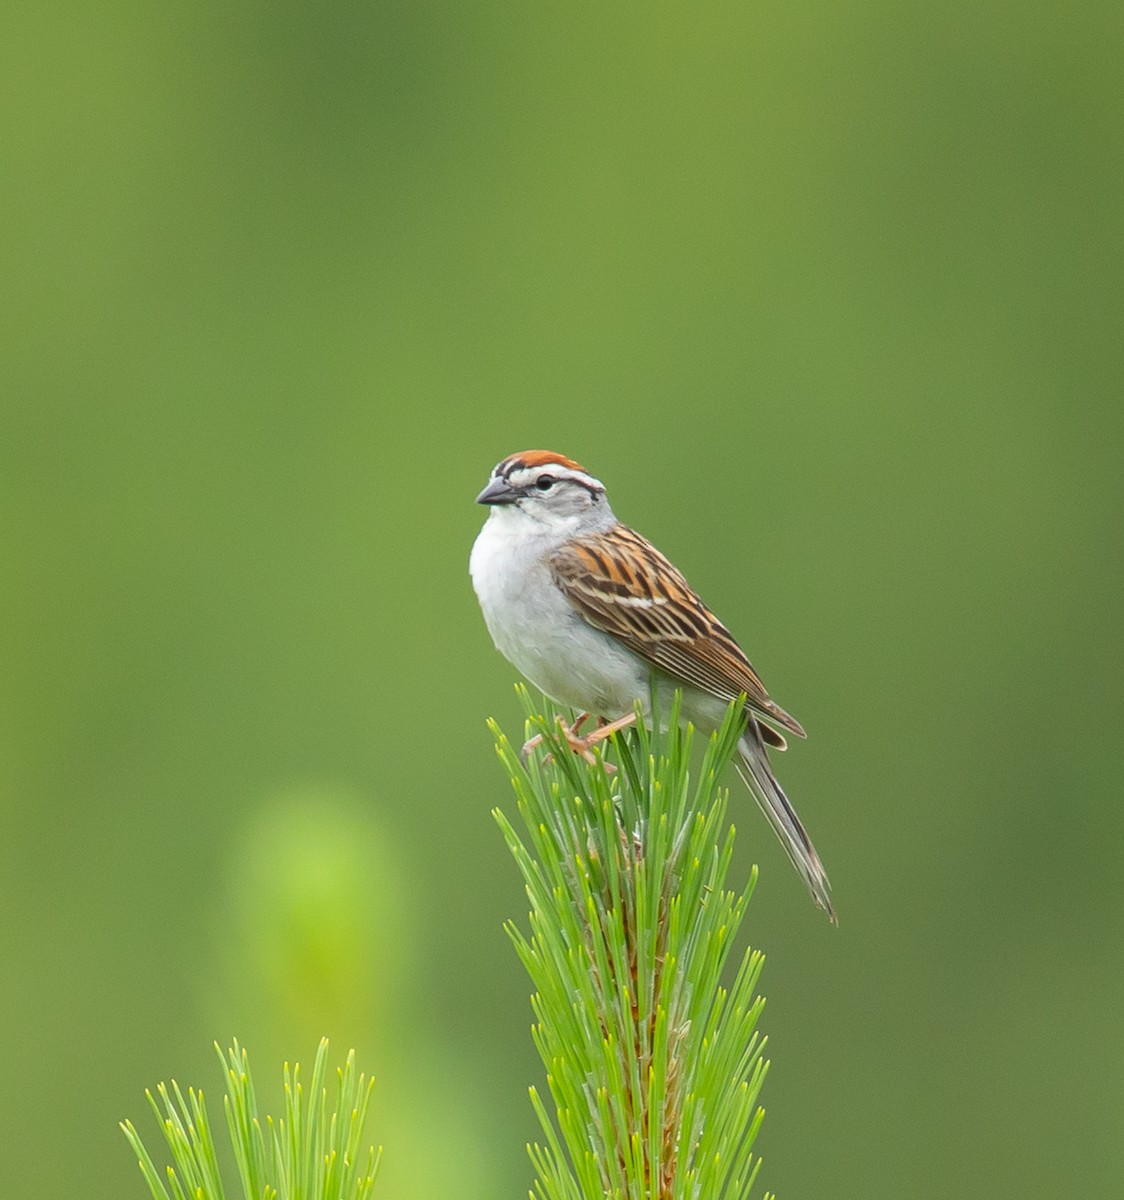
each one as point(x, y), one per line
point(591, 613)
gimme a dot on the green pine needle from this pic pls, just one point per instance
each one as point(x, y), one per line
point(646, 1029)
point(314, 1152)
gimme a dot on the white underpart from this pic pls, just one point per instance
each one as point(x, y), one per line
point(536, 628)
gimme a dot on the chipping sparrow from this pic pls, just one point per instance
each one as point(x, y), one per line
point(590, 612)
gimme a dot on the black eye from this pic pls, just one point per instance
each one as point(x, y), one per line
point(545, 482)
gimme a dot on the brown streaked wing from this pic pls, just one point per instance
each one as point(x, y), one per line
point(621, 584)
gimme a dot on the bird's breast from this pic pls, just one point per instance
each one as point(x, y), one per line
point(537, 629)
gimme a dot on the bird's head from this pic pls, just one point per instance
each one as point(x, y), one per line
point(546, 487)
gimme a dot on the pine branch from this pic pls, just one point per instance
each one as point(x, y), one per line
point(313, 1152)
point(653, 1063)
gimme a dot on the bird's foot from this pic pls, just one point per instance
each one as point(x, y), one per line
point(583, 745)
point(569, 732)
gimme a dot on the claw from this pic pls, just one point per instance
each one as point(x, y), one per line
point(528, 746)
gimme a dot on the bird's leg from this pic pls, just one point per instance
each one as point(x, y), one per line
point(606, 728)
point(579, 721)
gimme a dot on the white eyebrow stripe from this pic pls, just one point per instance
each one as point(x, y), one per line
point(640, 601)
point(523, 476)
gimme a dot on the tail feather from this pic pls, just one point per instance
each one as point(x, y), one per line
point(758, 777)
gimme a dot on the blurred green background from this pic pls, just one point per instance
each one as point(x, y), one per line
point(829, 294)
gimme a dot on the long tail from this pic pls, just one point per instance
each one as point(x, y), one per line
point(758, 777)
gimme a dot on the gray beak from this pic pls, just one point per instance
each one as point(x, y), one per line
point(498, 491)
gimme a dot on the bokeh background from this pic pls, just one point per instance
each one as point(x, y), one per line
point(830, 294)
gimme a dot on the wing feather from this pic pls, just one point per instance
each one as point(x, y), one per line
point(621, 584)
